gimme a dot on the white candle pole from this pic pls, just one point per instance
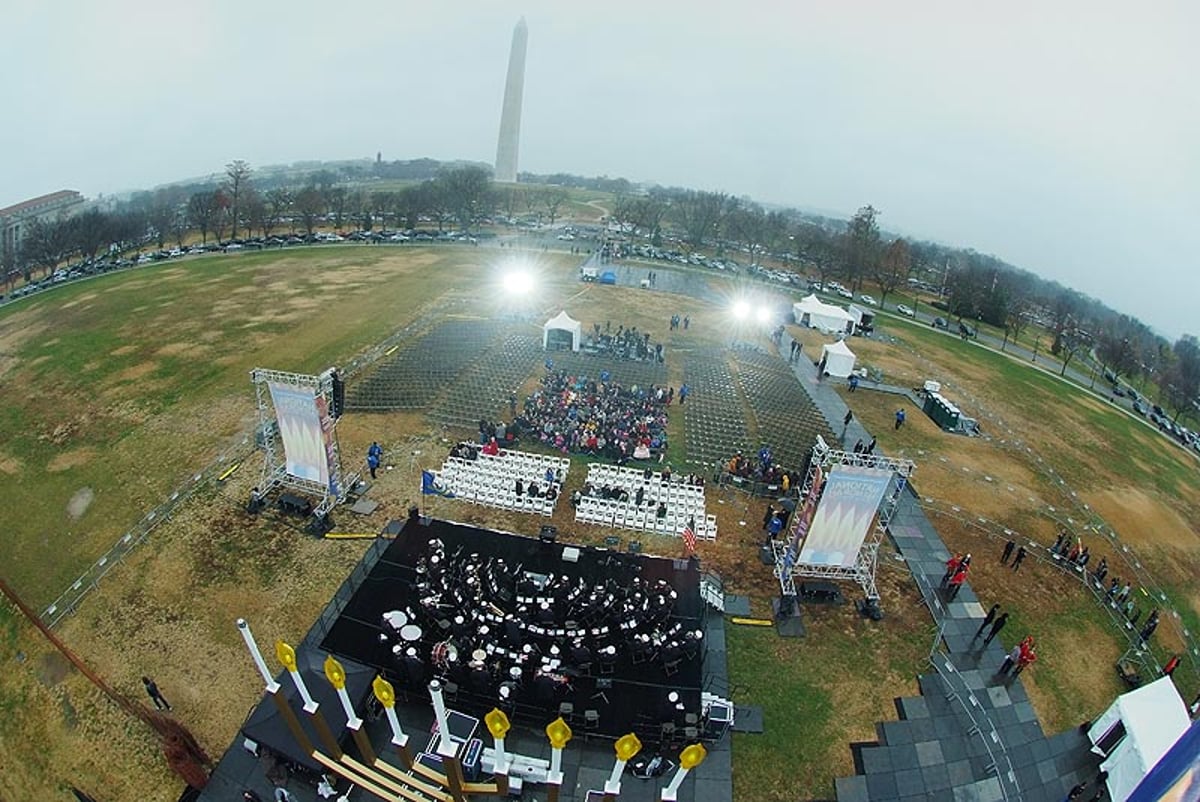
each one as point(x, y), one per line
point(556, 775)
point(353, 722)
point(613, 784)
point(445, 745)
point(252, 645)
point(501, 756)
point(668, 794)
point(399, 738)
point(310, 706)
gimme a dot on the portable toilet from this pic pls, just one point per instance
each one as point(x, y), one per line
point(941, 411)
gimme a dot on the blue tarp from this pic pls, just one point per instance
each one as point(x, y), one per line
point(608, 277)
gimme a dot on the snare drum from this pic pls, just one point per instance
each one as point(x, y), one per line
point(410, 632)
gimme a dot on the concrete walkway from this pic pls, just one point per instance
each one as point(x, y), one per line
point(968, 735)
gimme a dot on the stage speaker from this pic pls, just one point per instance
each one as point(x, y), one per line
point(414, 512)
point(338, 397)
point(548, 534)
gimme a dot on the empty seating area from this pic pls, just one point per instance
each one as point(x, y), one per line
point(626, 371)
point(484, 388)
point(784, 416)
point(683, 502)
point(714, 417)
point(419, 371)
point(492, 480)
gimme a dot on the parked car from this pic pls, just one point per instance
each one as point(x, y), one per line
point(939, 323)
point(845, 293)
point(1139, 408)
point(904, 310)
point(868, 300)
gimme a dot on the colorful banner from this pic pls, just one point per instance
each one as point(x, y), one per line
point(300, 429)
point(804, 516)
point(331, 459)
point(1176, 776)
point(844, 515)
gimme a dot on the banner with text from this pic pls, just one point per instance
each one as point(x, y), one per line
point(844, 515)
point(300, 429)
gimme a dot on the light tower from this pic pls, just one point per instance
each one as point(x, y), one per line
point(510, 114)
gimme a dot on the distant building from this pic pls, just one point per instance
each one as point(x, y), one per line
point(16, 220)
point(510, 114)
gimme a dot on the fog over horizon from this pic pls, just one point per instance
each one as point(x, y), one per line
point(1060, 137)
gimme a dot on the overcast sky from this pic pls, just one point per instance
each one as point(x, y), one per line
point(1064, 138)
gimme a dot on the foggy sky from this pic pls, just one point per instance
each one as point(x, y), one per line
point(1063, 138)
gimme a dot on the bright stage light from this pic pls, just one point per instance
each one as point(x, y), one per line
point(764, 314)
point(741, 309)
point(518, 281)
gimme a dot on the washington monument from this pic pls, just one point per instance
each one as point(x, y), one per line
point(510, 115)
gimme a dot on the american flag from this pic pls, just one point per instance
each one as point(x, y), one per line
point(689, 537)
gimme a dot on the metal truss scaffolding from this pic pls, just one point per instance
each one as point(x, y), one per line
point(274, 472)
point(788, 568)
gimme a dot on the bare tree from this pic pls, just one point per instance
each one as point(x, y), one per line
point(279, 201)
point(256, 212)
point(310, 205)
point(220, 217)
point(552, 200)
point(91, 229)
point(47, 243)
point(861, 246)
point(202, 210)
point(1014, 322)
point(699, 214)
point(238, 174)
point(1071, 341)
point(648, 213)
point(747, 225)
point(892, 269)
point(1180, 382)
point(162, 212)
point(818, 248)
point(337, 198)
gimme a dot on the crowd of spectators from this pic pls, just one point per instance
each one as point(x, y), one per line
point(624, 343)
point(598, 418)
point(761, 469)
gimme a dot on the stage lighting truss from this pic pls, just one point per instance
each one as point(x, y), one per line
point(274, 474)
point(787, 570)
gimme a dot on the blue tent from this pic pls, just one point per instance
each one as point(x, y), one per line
point(608, 277)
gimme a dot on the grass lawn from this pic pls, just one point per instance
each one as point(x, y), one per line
point(133, 382)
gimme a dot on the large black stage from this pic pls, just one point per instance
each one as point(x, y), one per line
point(526, 625)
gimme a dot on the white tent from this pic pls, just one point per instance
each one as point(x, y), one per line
point(1136, 731)
point(838, 359)
point(559, 329)
point(816, 314)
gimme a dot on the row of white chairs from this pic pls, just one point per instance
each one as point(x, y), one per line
point(527, 460)
point(621, 515)
point(632, 478)
point(684, 500)
point(504, 497)
point(491, 480)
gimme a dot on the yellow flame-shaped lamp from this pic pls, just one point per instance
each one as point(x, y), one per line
point(337, 678)
point(691, 757)
point(626, 747)
point(559, 732)
point(287, 656)
point(386, 695)
point(384, 691)
point(497, 723)
point(335, 673)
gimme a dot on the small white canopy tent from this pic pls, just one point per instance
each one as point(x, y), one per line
point(561, 332)
point(838, 359)
point(816, 314)
point(1136, 731)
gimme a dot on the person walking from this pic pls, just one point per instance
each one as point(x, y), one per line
point(853, 382)
point(1171, 665)
point(1076, 792)
point(1020, 558)
point(1027, 658)
point(987, 619)
point(846, 422)
point(899, 418)
point(1008, 550)
point(997, 625)
point(956, 582)
point(1010, 660)
point(951, 568)
point(155, 694)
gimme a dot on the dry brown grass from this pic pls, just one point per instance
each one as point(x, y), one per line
point(168, 610)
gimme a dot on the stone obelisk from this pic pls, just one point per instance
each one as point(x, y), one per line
point(510, 115)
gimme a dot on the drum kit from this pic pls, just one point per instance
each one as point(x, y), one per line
point(444, 654)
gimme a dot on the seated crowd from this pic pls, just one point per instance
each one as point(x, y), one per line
point(639, 496)
point(599, 418)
